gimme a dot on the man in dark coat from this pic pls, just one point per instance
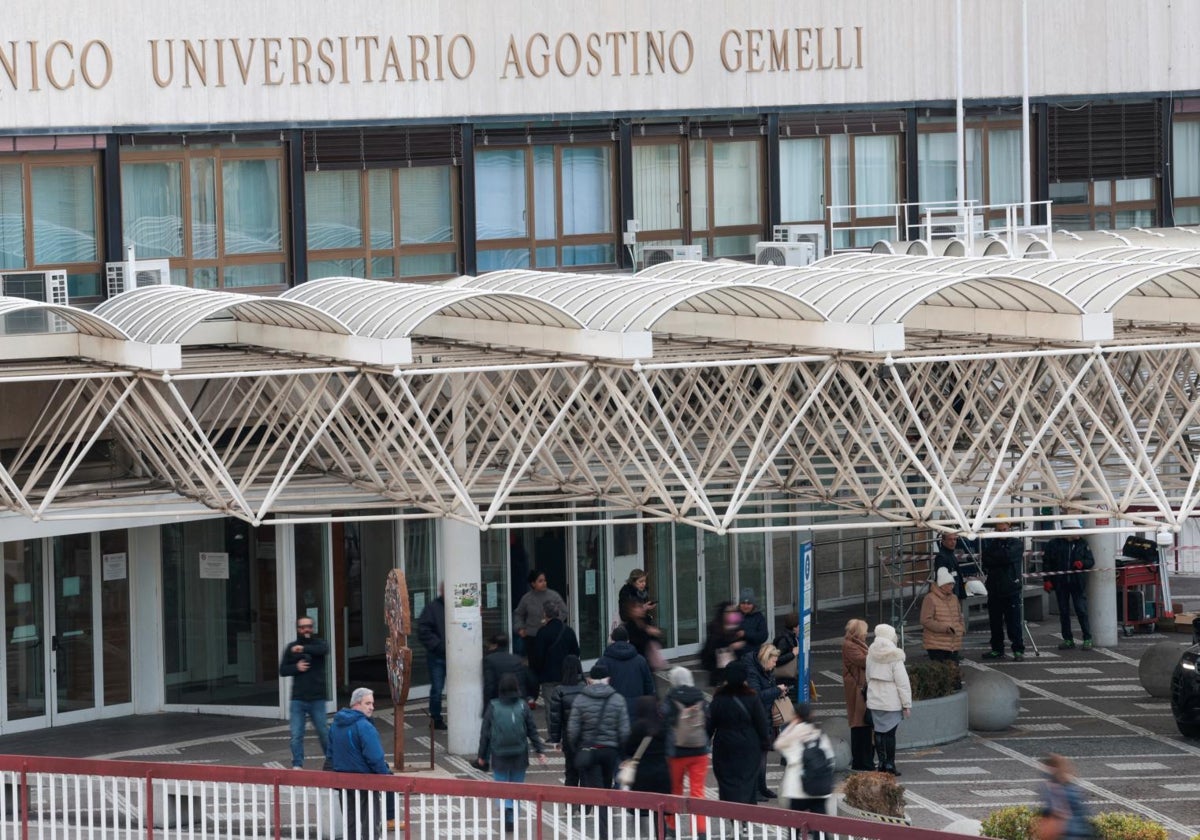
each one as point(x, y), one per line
point(1002, 565)
point(1066, 558)
point(754, 624)
point(552, 644)
point(431, 629)
point(628, 672)
point(303, 659)
point(499, 662)
point(947, 558)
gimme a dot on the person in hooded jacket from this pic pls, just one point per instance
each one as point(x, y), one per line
point(558, 712)
point(791, 743)
point(355, 747)
point(942, 620)
point(630, 676)
point(552, 644)
point(889, 693)
point(754, 622)
point(499, 662)
point(685, 763)
point(741, 734)
point(509, 767)
point(597, 728)
point(854, 684)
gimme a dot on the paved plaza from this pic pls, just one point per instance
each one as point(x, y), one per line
point(1088, 705)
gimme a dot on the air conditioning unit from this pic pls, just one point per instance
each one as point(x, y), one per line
point(44, 286)
point(784, 253)
point(123, 276)
point(656, 254)
point(803, 233)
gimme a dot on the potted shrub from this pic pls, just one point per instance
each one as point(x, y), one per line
point(1117, 825)
point(931, 680)
point(1018, 822)
point(873, 796)
point(1012, 823)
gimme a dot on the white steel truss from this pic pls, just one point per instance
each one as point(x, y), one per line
point(711, 429)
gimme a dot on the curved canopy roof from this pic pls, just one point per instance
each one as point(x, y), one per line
point(731, 310)
point(918, 299)
point(86, 323)
point(1132, 290)
point(454, 311)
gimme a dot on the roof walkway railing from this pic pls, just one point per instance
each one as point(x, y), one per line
point(127, 800)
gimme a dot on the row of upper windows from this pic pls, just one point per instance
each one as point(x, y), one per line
point(220, 213)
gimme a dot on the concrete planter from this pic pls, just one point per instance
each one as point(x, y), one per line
point(845, 810)
point(937, 721)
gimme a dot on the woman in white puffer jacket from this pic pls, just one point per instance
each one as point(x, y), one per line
point(889, 694)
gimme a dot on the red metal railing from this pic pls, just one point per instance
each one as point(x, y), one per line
point(128, 800)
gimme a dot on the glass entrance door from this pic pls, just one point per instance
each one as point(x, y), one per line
point(52, 631)
point(25, 637)
point(73, 639)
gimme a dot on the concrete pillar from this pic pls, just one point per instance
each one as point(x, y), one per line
point(1102, 587)
point(459, 545)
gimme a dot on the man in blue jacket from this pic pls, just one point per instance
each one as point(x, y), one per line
point(356, 748)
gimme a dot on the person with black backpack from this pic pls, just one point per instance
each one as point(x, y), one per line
point(504, 738)
point(685, 715)
point(808, 778)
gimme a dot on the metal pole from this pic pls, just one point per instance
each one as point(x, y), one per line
point(1026, 177)
point(961, 171)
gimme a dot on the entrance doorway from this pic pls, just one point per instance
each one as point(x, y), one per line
point(66, 629)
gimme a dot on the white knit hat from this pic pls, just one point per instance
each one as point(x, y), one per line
point(944, 576)
point(885, 631)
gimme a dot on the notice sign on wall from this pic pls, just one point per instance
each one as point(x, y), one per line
point(214, 565)
point(114, 566)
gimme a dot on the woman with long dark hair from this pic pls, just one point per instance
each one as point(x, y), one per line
point(652, 772)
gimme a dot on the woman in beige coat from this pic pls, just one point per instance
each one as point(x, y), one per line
point(854, 682)
point(942, 620)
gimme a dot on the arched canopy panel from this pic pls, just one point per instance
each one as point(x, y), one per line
point(74, 332)
point(707, 306)
point(462, 313)
point(177, 314)
point(992, 305)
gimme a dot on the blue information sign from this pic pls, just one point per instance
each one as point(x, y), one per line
point(805, 605)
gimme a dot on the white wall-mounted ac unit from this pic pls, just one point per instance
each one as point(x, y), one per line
point(784, 253)
point(803, 233)
point(44, 286)
point(142, 273)
point(655, 254)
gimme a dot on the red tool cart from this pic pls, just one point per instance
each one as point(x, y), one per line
point(1139, 595)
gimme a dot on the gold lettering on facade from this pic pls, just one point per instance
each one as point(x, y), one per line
point(391, 62)
point(452, 59)
point(85, 64)
point(155, 67)
point(301, 58)
point(538, 64)
point(512, 58)
point(418, 54)
point(196, 59)
point(51, 76)
point(758, 50)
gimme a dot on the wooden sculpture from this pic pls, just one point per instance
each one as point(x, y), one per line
point(398, 615)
